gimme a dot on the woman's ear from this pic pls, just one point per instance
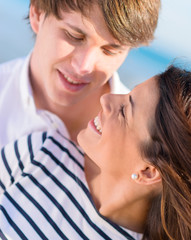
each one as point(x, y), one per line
point(148, 175)
point(34, 16)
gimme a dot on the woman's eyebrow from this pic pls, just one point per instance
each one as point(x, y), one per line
point(132, 103)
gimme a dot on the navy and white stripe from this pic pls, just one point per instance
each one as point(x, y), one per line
point(44, 193)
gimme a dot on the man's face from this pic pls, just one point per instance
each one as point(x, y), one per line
point(74, 56)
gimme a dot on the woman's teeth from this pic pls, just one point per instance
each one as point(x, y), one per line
point(71, 81)
point(97, 124)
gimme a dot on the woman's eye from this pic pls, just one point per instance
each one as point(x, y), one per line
point(122, 110)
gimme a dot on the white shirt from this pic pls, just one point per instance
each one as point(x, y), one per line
point(19, 115)
point(44, 193)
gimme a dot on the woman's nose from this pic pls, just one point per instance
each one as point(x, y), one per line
point(106, 101)
point(112, 102)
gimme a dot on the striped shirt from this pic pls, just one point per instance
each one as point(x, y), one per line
point(44, 193)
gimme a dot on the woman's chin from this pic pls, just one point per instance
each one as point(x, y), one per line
point(80, 138)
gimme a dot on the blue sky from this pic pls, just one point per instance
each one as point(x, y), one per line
point(173, 35)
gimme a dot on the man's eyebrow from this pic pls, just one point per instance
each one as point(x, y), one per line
point(116, 46)
point(76, 28)
point(112, 45)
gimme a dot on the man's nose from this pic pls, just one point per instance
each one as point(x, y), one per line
point(84, 61)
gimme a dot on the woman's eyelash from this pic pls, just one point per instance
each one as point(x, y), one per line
point(122, 110)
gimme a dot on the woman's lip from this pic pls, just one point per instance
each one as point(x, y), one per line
point(92, 125)
point(70, 86)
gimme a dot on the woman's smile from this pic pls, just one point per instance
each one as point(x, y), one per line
point(96, 125)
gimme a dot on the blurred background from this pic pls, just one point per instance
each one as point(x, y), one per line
point(172, 39)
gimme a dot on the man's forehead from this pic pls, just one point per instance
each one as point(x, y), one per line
point(82, 24)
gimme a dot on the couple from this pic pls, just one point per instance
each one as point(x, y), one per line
point(132, 180)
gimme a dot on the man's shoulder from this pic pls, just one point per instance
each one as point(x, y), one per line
point(10, 70)
point(10, 66)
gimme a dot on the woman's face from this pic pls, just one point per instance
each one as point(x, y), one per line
point(112, 139)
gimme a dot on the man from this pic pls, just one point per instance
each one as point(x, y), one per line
point(79, 46)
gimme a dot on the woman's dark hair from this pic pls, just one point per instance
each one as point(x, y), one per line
point(169, 150)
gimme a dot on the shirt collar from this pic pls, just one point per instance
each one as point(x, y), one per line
point(116, 86)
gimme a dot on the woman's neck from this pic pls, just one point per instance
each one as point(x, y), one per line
point(111, 202)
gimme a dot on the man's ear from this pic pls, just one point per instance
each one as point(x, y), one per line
point(35, 16)
point(148, 175)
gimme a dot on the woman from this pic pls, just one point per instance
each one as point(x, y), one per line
point(135, 180)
